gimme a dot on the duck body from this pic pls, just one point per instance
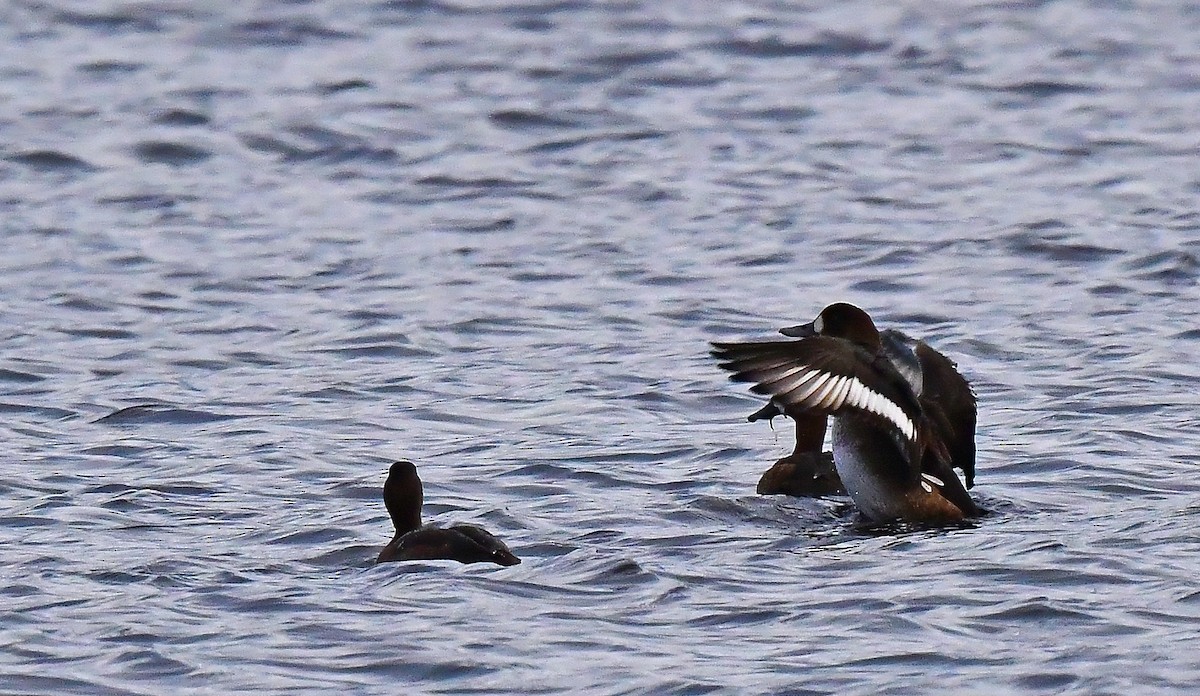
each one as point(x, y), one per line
point(865, 459)
point(899, 421)
point(808, 471)
point(466, 543)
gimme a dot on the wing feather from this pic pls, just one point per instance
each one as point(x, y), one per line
point(825, 376)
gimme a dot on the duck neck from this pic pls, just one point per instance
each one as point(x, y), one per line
point(403, 501)
point(867, 336)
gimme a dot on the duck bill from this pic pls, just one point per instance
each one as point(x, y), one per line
point(800, 331)
point(768, 412)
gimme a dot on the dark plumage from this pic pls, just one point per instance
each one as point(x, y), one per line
point(807, 471)
point(903, 416)
point(465, 543)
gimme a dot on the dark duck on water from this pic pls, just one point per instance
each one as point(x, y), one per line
point(465, 543)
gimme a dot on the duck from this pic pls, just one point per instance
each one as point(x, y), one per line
point(933, 377)
point(465, 543)
point(807, 472)
point(903, 417)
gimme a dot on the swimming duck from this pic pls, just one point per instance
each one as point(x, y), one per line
point(465, 543)
point(902, 415)
point(806, 472)
point(933, 377)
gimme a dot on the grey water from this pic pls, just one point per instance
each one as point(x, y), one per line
point(255, 252)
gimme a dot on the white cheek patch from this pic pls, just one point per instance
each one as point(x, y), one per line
point(818, 324)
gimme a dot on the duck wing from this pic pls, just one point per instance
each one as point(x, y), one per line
point(943, 392)
point(827, 376)
point(956, 411)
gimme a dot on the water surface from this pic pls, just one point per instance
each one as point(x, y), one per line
point(255, 254)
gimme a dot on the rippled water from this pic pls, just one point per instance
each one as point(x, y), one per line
point(253, 255)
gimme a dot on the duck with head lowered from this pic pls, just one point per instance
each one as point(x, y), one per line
point(465, 543)
point(903, 417)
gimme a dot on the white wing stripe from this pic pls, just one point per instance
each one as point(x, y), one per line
point(785, 373)
point(805, 386)
point(823, 399)
point(801, 394)
point(785, 385)
point(854, 395)
point(837, 398)
point(819, 395)
point(849, 393)
point(880, 405)
point(858, 395)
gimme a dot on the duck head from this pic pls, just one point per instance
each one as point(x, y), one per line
point(403, 496)
point(840, 320)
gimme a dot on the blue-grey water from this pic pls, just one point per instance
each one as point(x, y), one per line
point(254, 252)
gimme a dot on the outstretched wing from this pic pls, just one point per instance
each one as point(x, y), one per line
point(818, 375)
